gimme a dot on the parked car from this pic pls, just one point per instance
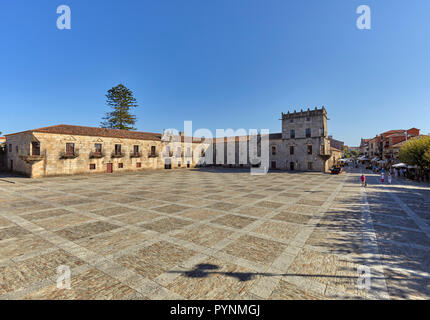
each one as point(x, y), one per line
point(336, 170)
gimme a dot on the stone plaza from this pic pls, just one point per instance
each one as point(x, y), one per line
point(214, 234)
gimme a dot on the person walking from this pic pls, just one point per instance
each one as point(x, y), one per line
point(363, 180)
point(382, 178)
point(389, 178)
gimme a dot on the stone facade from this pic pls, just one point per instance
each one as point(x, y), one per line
point(47, 154)
point(302, 145)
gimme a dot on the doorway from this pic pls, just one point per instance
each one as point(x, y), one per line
point(11, 165)
point(273, 165)
point(109, 167)
point(292, 166)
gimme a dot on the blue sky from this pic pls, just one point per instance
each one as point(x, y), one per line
point(220, 63)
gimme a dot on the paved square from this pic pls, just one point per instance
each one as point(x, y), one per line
point(214, 234)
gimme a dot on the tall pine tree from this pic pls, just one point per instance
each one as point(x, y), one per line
point(121, 100)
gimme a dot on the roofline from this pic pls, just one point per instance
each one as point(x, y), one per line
point(38, 130)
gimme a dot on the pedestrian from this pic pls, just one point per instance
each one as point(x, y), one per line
point(389, 178)
point(382, 178)
point(363, 180)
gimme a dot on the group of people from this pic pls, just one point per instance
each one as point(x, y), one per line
point(389, 178)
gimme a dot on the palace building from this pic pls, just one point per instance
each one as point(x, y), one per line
point(302, 145)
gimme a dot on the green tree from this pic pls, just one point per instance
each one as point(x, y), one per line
point(121, 100)
point(416, 152)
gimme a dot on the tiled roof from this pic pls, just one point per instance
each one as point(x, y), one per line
point(96, 132)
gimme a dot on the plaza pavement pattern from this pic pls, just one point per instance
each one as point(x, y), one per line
point(214, 234)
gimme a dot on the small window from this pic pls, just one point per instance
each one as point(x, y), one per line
point(153, 150)
point(16, 149)
point(309, 149)
point(70, 148)
point(92, 166)
point(273, 150)
point(117, 149)
point(293, 134)
point(310, 166)
point(291, 120)
point(178, 152)
point(308, 132)
point(120, 165)
point(98, 148)
point(138, 165)
point(10, 147)
point(308, 118)
point(35, 148)
point(179, 164)
point(291, 149)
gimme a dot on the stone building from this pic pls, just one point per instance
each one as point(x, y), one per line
point(66, 149)
point(302, 145)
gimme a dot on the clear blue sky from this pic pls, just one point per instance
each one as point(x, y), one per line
point(220, 63)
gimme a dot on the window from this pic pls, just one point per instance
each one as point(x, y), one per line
point(179, 164)
point(273, 150)
point(178, 152)
point(117, 149)
point(92, 166)
point(291, 120)
point(10, 147)
point(35, 148)
point(120, 165)
point(153, 150)
point(135, 149)
point(98, 148)
point(273, 164)
point(293, 134)
point(70, 149)
point(308, 118)
point(308, 132)
point(138, 165)
point(16, 149)
point(291, 149)
point(310, 166)
point(309, 149)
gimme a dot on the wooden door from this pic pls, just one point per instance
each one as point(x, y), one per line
point(109, 168)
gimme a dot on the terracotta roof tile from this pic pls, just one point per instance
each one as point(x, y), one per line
point(97, 132)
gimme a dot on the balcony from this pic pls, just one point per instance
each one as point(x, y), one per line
point(153, 155)
point(96, 155)
point(135, 154)
point(32, 158)
point(117, 155)
point(324, 153)
point(69, 155)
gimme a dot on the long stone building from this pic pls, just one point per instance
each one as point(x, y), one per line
point(303, 144)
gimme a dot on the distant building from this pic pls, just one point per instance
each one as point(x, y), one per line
point(336, 143)
point(386, 145)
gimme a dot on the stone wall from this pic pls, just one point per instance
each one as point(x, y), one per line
point(53, 148)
